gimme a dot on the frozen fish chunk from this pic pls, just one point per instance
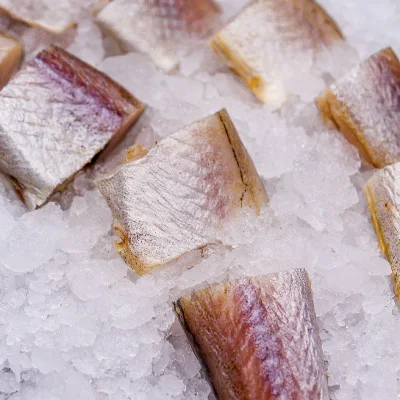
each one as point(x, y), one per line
point(11, 52)
point(54, 16)
point(383, 195)
point(159, 28)
point(56, 115)
point(258, 337)
point(364, 106)
point(172, 199)
point(268, 34)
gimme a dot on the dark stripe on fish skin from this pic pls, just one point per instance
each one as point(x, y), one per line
point(97, 85)
point(236, 159)
point(385, 71)
point(68, 112)
point(252, 313)
point(193, 343)
point(259, 337)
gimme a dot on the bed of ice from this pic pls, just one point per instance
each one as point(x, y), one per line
point(76, 324)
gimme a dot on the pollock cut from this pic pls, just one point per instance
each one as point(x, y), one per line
point(266, 36)
point(56, 115)
point(365, 106)
point(383, 195)
point(52, 15)
point(172, 199)
point(11, 52)
point(258, 337)
point(159, 28)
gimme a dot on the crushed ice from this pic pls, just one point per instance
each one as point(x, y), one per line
point(75, 323)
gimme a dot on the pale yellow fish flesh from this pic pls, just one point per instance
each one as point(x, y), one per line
point(172, 199)
point(258, 337)
point(269, 34)
point(159, 28)
point(11, 52)
point(56, 115)
point(364, 105)
point(52, 15)
point(383, 194)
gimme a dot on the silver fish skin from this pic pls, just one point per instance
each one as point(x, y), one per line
point(365, 106)
point(269, 34)
point(258, 337)
point(56, 115)
point(55, 16)
point(383, 195)
point(11, 52)
point(172, 199)
point(159, 28)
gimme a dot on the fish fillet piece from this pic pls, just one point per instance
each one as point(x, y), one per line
point(11, 51)
point(383, 195)
point(172, 199)
point(159, 28)
point(52, 15)
point(269, 34)
point(364, 106)
point(258, 337)
point(56, 115)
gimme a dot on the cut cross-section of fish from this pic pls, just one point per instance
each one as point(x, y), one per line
point(365, 106)
point(172, 199)
point(11, 51)
point(52, 15)
point(258, 337)
point(268, 34)
point(56, 115)
point(159, 28)
point(383, 194)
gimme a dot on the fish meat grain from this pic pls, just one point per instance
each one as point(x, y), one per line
point(258, 337)
point(172, 199)
point(56, 115)
point(383, 195)
point(159, 28)
point(11, 52)
point(364, 106)
point(53, 16)
point(268, 34)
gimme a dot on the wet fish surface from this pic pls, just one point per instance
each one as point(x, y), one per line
point(383, 195)
point(56, 115)
point(269, 34)
point(52, 15)
point(159, 28)
point(258, 337)
point(364, 106)
point(172, 199)
point(11, 52)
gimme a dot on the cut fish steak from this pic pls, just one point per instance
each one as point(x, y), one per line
point(383, 194)
point(364, 105)
point(56, 115)
point(159, 28)
point(11, 52)
point(54, 16)
point(268, 34)
point(258, 337)
point(173, 199)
